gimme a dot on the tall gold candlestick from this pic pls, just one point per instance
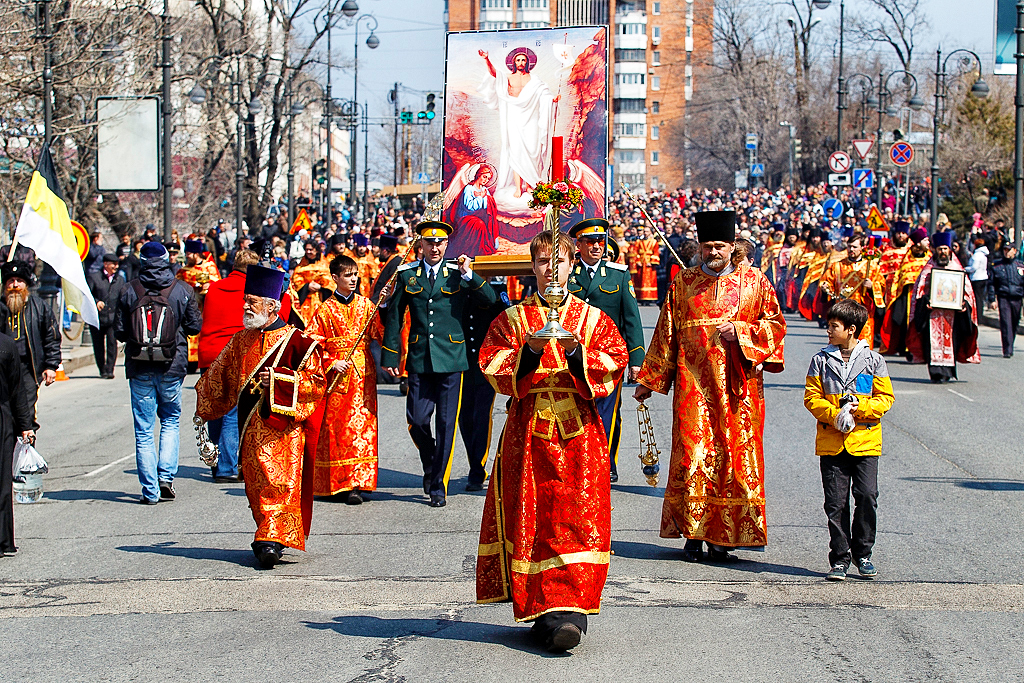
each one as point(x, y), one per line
point(554, 293)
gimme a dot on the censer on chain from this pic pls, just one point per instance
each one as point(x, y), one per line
point(208, 451)
point(648, 446)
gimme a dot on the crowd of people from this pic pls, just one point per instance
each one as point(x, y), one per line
point(293, 331)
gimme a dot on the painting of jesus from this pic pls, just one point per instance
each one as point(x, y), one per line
point(507, 94)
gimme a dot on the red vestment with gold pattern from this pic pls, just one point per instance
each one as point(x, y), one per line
point(715, 487)
point(889, 262)
point(278, 479)
point(199, 276)
point(899, 298)
point(545, 537)
point(346, 454)
point(304, 300)
point(848, 280)
point(939, 340)
point(644, 255)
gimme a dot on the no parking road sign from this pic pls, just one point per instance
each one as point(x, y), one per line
point(901, 153)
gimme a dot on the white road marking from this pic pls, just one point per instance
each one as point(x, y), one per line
point(108, 466)
point(952, 391)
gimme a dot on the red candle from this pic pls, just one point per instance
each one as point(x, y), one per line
point(557, 162)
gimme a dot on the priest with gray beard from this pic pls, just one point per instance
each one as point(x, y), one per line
point(31, 324)
point(274, 374)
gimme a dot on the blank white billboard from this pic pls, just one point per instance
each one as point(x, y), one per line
point(128, 144)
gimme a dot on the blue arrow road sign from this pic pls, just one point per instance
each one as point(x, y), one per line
point(833, 208)
point(863, 178)
point(757, 170)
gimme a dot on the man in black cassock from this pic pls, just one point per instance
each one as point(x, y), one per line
point(16, 419)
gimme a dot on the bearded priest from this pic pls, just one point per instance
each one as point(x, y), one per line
point(719, 328)
point(274, 374)
point(545, 538)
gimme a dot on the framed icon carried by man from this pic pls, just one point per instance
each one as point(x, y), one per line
point(507, 94)
point(947, 290)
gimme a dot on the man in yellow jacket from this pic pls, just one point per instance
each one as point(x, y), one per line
point(848, 390)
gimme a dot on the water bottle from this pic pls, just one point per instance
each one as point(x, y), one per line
point(28, 488)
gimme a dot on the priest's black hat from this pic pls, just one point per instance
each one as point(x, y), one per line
point(263, 281)
point(716, 226)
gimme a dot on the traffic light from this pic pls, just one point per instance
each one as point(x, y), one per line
point(406, 117)
point(430, 107)
point(320, 171)
point(798, 146)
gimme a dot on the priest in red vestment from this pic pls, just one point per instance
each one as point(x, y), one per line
point(719, 329)
point(939, 336)
point(346, 454)
point(273, 373)
point(900, 295)
point(545, 537)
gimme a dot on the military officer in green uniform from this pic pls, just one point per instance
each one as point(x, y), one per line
point(434, 291)
point(607, 285)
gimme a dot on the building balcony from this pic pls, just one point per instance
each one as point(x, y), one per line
point(633, 91)
point(623, 142)
point(637, 117)
point(631, 67)
point(630, 168)
point(635, 17)
point(631, 41)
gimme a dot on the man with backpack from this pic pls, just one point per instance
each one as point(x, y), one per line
point(155, 314)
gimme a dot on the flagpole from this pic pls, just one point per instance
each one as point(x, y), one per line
point(47, 74)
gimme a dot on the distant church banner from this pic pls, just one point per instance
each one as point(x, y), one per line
point(507, 94)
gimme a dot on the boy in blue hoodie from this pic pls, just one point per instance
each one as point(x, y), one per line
point(848, 390)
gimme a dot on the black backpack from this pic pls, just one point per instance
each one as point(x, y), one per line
point(154, 326)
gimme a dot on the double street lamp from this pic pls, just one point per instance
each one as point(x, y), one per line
point(979, 89)
point(197, 95)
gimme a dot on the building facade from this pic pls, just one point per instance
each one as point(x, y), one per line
point(656, 48)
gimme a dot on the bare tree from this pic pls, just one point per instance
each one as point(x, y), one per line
point(894, 23)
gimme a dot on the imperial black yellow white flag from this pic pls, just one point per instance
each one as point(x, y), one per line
point(45, 226)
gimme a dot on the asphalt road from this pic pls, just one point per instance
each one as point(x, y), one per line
point(105, 589)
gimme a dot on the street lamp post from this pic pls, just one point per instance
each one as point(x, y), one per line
point(1018, 138)
point(295, 107)
point(366, 160)
point(914, 102)
point(792, 133)
point(371, 42)
point(979, 89)
point(824, 4)
point(165, 68)
point(197, 95)
point(47, 73)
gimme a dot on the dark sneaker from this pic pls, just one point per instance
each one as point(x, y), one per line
point(166, 491)
point(837, 573)
point(354, 498)
point(565, 637)
point(147, 501)
point(866, 569)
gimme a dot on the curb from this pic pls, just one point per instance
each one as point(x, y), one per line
point(988, 320)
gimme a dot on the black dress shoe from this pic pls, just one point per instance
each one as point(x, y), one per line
point(166, 491)
point(437, 502)
point(693, 555)
point(267, 553)
point(403, 386)
point(565, 637)
point(474, 486)
point(230, 479)
point(721, 556)
point(354, 498)
point(147, 501)
point(614, 477)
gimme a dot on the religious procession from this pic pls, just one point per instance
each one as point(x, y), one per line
point(530, 374)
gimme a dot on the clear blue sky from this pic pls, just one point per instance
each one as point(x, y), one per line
point(411, 48)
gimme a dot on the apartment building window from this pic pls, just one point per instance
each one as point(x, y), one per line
point(628, 156)
point(654, 157)
point(632, 29)
point(654, 182)
point(655, 82)
point(630, 55)
point(655, 107)
point(656, 32)
point(630, 130)
point(656, 9)
point(656, 58)
point(629, 79)
point(655, 132)
point(536, 4)
point(630, 106)
point(689, 30)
